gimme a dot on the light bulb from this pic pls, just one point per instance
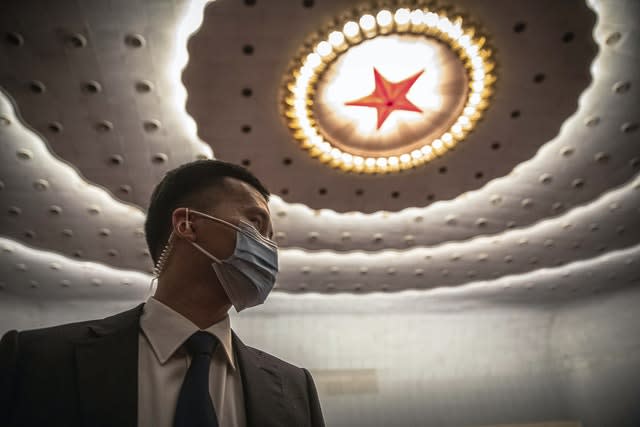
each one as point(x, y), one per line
point(402, 16)
point(455, 32)
point(367, 22)
point(474, 99)
point(324, 48)
point(417, 17)
point(336, 38)
point(313, 59)
point(384, 18)
point(431, 19)
point(351, 29)
point(478, 74)
point(469, 111)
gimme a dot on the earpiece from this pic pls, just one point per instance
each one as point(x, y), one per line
point(159, 267)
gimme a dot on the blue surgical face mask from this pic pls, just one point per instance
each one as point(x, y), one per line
point(249, 274)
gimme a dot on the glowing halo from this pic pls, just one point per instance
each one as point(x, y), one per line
point(301, 85)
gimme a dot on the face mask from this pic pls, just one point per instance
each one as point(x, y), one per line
point(249, 274)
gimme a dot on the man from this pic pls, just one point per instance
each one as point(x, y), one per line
point(173, 361)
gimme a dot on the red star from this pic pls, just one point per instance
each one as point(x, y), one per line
point(388, 97)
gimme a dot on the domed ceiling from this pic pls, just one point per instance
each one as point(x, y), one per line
point(537, 190)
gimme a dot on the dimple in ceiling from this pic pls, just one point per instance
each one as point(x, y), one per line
point(100, 99)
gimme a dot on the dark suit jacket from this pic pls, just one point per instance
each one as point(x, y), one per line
point(86, 374)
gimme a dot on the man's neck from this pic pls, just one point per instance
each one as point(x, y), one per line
point(199, 302)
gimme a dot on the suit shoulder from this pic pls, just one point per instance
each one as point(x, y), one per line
point(46, 337)
point(270, 358)
point(68, 331)
point(289, 369)
point(262, 356)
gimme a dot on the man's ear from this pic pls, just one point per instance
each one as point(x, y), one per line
point(182, 224)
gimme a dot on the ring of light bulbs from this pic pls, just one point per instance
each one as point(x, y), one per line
point(463, 39)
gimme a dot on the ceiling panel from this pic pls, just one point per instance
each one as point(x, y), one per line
point(94, 110)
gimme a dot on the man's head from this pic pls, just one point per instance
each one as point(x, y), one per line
point(210, 186)
point(188, 282)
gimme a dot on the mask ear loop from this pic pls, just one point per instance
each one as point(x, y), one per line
point(187, 223)
point(206, 252)
point(243, 228)
point(220, 220)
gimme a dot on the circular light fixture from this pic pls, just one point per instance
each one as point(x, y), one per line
point(432, 79)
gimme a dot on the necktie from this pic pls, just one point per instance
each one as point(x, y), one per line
point(195, 408)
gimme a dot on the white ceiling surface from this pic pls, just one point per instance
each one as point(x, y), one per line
point(535, 217)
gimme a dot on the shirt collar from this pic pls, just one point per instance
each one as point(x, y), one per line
point(167, 330)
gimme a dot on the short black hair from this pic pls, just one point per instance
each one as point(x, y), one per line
point(183, 186)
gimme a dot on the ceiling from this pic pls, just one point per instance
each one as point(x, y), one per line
point(99, 99)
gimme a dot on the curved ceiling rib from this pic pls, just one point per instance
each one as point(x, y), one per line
point(52, 276)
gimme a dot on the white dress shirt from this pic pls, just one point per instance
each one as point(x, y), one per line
point(163, 364)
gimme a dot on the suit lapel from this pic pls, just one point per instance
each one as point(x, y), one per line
point(262, 387)
point(107, 375)
point(107, 371)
